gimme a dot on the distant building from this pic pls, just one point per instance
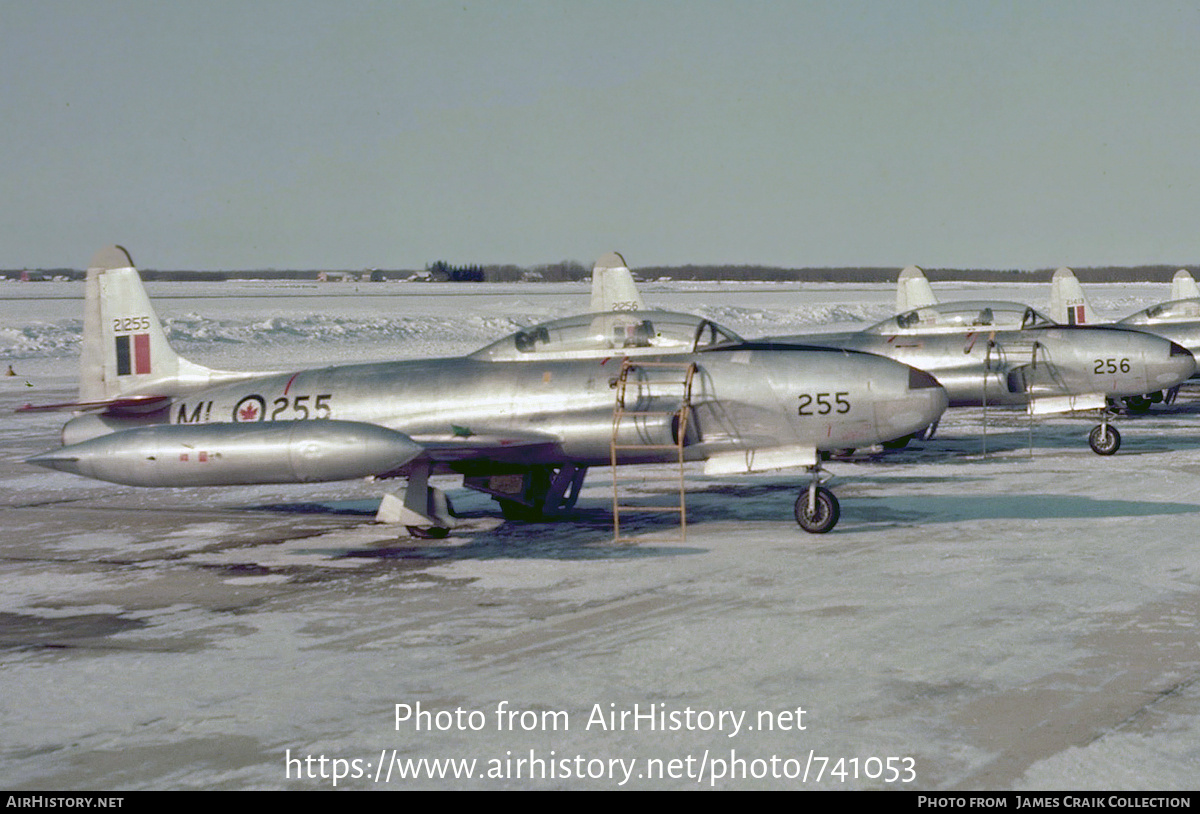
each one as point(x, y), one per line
point(338, 277)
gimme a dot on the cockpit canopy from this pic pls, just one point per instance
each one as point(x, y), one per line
point(1173, 311)
point(611, 333)
point(958, 317)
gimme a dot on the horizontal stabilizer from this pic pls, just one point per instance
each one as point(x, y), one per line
point(760, 460)
point(133, 405)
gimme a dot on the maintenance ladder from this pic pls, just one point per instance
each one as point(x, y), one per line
point(651, 382)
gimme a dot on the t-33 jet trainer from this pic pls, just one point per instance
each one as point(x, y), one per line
point(1003, 353)
point(1176, 319)
point(521, 419)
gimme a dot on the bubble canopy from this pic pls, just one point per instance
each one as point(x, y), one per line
point(614, 332)
point(952, 317)
point(1173, 311)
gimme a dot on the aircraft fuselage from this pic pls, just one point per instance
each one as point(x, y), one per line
point(1013, 367)
point(535, 412)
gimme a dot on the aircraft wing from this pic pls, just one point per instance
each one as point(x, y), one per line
point(1049, 405)
point(462, 444)
point(760, 459)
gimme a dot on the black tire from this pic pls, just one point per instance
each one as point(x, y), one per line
point(1104, 444)
point(512, 510)
point(827, 513)
point(1138, 404)
point(430, 533)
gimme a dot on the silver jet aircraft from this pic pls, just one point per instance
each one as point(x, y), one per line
point(1003, 353)
point(521, 419)
point(1176, 319)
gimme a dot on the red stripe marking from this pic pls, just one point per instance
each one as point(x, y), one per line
point(141, 353)
point(289, 384)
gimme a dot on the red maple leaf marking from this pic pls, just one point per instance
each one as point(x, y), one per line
point(248, 413)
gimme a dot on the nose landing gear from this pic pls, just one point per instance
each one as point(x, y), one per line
point(1104, 438)
point(817, 510)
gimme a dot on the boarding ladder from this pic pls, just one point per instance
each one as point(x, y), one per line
point(652, 398)
point(994, 363)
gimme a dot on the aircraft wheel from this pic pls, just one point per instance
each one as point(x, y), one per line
point(1104, 440)
point(826, 515)
point(1138, 404)
point(428, 532)
point(512, 510)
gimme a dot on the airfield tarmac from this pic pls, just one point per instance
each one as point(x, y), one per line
point(1020, 619)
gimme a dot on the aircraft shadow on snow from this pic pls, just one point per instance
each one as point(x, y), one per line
point(954, 509)
point(584, 533)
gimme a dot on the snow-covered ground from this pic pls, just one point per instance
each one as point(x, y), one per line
point(1024, 619)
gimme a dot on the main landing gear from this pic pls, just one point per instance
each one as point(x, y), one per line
point(817, 510)
point(534, 493)
point(424, 510)
point(529, 494)
point(1104, 438)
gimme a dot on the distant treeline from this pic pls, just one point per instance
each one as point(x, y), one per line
point(570, 270)
point(877, 274)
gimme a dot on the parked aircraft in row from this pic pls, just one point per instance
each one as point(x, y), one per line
point(1176, 319)
point(522, 419)
point(995, 353)
point(991, 352)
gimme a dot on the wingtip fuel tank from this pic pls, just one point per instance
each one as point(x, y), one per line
point(229, 454)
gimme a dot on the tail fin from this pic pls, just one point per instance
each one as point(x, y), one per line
point(125, 351)
point(912, 290)
point(1183, 286)
point(613, 288)
point(1068, 305)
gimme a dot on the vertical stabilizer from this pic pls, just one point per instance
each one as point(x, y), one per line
point(125, 351)
point(1068, 305)
point(1183, 286)
point(913, 290)
point(612, 286)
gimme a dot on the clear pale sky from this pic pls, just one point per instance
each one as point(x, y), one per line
point(242, 134)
